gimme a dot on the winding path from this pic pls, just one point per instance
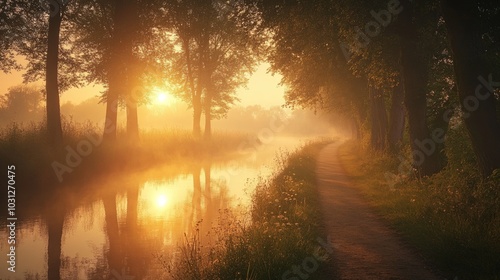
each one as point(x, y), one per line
point(364, 247)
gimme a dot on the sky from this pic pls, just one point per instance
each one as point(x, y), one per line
point(262, 89)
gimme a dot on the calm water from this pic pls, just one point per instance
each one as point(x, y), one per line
point(120, 227)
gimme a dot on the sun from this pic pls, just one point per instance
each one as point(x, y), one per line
point(161, 201)
point(162, 97)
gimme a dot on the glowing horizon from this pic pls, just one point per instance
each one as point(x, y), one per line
point(262, 89)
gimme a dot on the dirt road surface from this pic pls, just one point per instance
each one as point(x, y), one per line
point(364, 246)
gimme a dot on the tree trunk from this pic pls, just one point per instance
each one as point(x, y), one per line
point(197, 116)
point(204, 70)
point(397, 117)
point(197, 104)
point(54, 128)
point(133, 72)
point(472, 75)
point(195, 92)
point(111, 113)
point(379, 120)
point(115, 73)
point(208, 124)
point(426, 159)
point(208, 118)
point(132, 121)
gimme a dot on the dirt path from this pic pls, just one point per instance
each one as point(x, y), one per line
point(364, 247)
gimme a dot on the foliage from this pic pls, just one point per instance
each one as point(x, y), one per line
point(31, 42)
point(21, 103)
point(11, 23)
point(96, 31)
point(216, 45)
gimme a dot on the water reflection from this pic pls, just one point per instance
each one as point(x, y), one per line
point(118, 228)
point(135, 255)
point(140, 221)
point(195, 213)
point(125, 254)
point(55, 222)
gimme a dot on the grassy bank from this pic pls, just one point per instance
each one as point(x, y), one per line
point(453, 217)
point(281, 233)
point(84, 156)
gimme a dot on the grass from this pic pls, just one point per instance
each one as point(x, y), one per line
point(26, 147)
point(453, 217)
point(282, 230)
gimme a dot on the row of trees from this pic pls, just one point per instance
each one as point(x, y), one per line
point(203, 49)
point(420, 58)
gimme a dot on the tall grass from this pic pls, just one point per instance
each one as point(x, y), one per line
point(284, 224)
point(453, 217)
point(25, 146)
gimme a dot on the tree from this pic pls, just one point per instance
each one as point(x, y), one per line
point(356, 56)
point(317, 51)
point(219, 46)
point(233, 48)
point(39, 40)
point(474, 77)
point(119, 48)
point(415, 67)
point(390, 50)
point(22, 103)
point(54, 128)
point(307, 49)
point(112, 38)
point(97, 41)
point(186, 23)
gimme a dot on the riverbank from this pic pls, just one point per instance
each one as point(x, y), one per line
point(84, 156)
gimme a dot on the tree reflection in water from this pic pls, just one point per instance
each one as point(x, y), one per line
point(55, 222)
point(126, 227)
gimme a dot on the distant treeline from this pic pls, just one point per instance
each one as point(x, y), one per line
point(24, 104)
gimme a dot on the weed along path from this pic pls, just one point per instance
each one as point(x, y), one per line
point(364, 247)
